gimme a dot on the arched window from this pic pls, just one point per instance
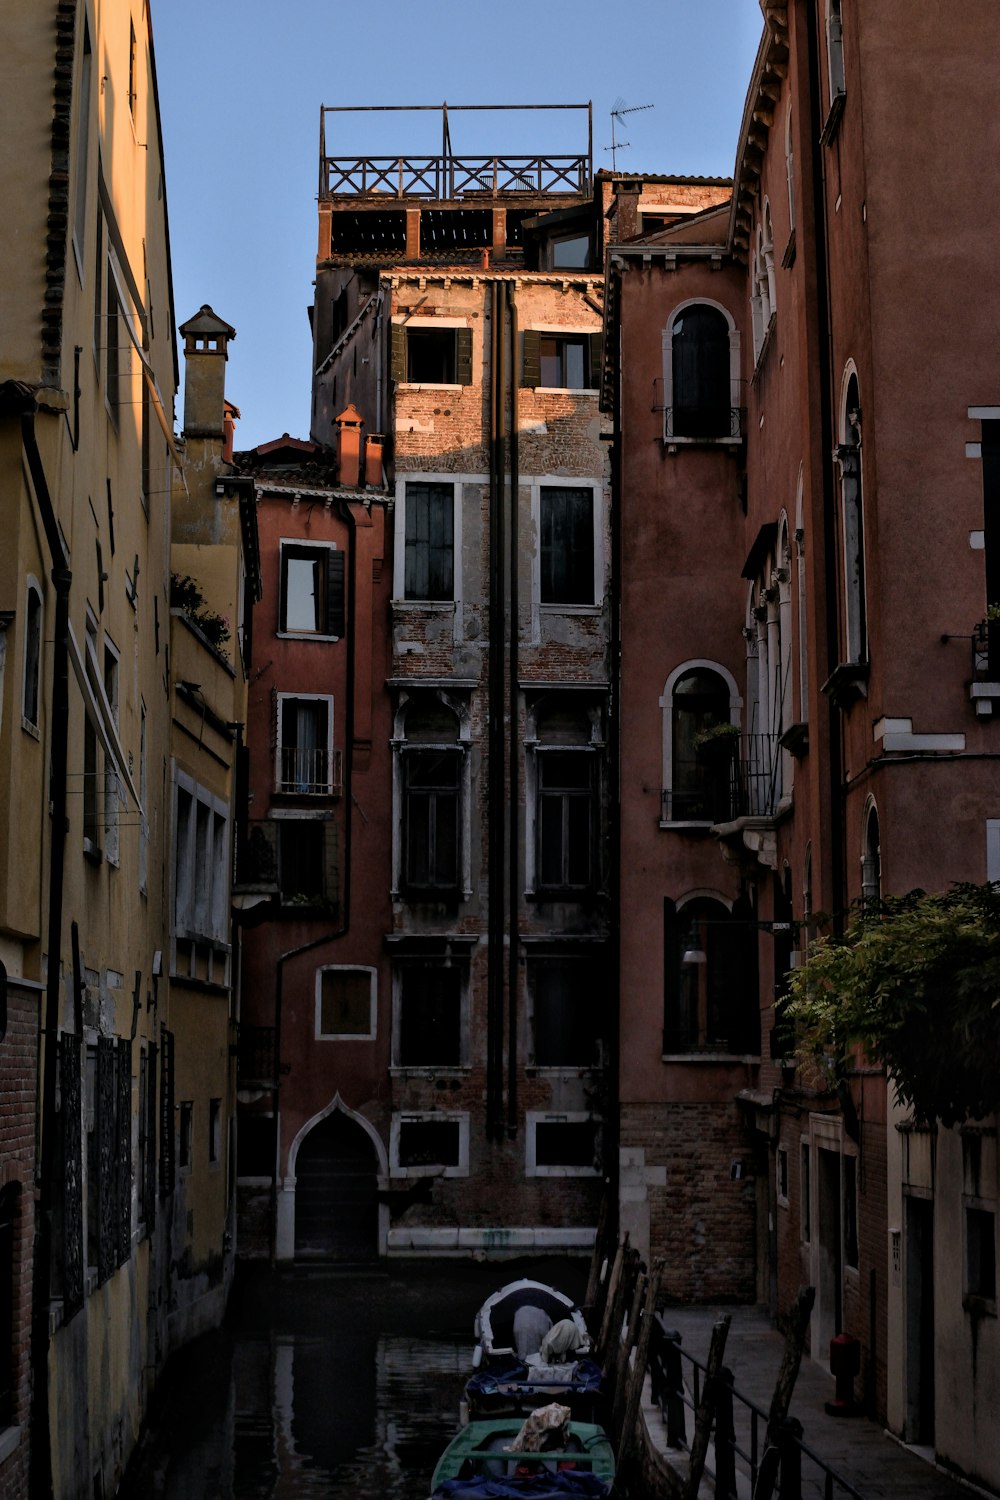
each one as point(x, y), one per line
point(32, 656)
point(801, 619)
point(701, 370)
point(762, 296)
point(711, 1001)
point(871, 859)
point(852, 506)
point(702, 746)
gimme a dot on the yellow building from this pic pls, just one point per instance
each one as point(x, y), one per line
point(119, 731)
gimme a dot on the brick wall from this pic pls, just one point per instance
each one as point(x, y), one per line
point(702, 1221)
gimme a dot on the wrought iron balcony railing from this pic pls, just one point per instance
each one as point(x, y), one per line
point(308, 773)
point(727, 787)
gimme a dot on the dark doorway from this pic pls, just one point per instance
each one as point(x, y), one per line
point(828, 1317)
point(920, 1320)
point(336, 1203)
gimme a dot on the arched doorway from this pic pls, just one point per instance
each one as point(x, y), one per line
point(336, 1199)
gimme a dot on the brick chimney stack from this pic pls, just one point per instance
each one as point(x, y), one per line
point(627, 191)
point(350, 424)
point(206, 350)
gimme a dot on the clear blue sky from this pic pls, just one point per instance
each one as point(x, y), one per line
point(241, 85)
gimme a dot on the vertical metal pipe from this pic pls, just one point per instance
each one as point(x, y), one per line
point(513, 737)
point(494, 821)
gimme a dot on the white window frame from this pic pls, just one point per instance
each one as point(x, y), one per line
point(211, 930)
point(667, 347)
point(535, 1117)
point(307, 544)
point(666, 705)
point(569, 331)
point(279, 746)
point(857, 646)
point(564, 482)
point(348, 1036)
point(427, 1169)
point(595, 747)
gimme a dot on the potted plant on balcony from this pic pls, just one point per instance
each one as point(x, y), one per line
point(717, 744)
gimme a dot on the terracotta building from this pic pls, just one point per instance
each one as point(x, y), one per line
point(807, 556)
point(117, 754)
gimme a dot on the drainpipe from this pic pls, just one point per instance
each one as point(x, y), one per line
point(613, 1038)
point(41, 1454)
point(344, 925)
point(495, 793)
point(513, 740)
point(824, 323)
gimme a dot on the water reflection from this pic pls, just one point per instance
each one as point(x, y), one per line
point(323, 1386)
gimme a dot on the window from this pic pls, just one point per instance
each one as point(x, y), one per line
point(133, 74)
point(852, 515)
point(185, 1136)
point(305, 745)
point(571, 253)
point(307, 861)
point(835, 52)
point(565, 1011)
point(214, 1130)
point(566, 526)
point(91, 764)
point(345, 1003)
point(789, 170)
point(32, 658)
point(563, 1145)
point(561, 361)
point(702, 403)
point(8, 1295)
point(781, 1176)
point(980, 1254)
point(144, 800)
point(112, 346)
point(431, 772)
point(871, 861)
point(109, 1154)
point(112, 796)
point(710, 978)
point(762, 289)
point(424, 355)
point(429, 1030)
point(565, 768)
point(701, 747)
point(312, 590)
point(805, 1195)
point(255, 1145)
point(201, 869)
point(850, 1192)
point(429, 542)
point(419, 1143)
point(82, 149)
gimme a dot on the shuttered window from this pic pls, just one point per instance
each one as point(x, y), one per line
point(429, 565)
point(431, 356)
point(570, 361)
point(567, 552)
point(312, 590)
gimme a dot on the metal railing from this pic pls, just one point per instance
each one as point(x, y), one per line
point(308, 773)
point(447, 177)
point(729, 787)
point(986, 651)
point(744, 1449)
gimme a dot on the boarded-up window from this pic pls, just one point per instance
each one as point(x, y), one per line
point(430, 1016)
point(345, 1003)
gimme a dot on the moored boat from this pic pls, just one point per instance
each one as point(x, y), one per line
point(532, 1347)
point(574, 1460)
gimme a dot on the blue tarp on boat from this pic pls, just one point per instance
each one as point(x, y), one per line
point(574, 1484)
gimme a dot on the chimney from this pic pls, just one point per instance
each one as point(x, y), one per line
point(374, 446)
point(627, 191)
point(230, 417)
point(350, 422)
point(206, 345)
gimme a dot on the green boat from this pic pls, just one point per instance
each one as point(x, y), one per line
point(477, 1466)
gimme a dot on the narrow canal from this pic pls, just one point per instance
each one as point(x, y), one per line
point(324, 1384)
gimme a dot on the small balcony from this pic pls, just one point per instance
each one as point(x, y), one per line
point(308, 773)
point(737, 780)
point(705, 424)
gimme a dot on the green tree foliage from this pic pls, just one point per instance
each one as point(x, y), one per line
point(915, 983)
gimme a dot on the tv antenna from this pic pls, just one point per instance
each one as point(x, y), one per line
point(618, 111)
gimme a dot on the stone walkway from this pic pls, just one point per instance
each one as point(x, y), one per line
point(856, 1448)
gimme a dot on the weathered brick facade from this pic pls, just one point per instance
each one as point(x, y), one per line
point(18, 1115)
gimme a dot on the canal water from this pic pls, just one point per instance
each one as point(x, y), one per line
point(324, 1384)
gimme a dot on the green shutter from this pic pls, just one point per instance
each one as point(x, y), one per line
point(595, 361)
point(531, 357)
point(397, 370)
point(335, 593)
point(463, 356)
